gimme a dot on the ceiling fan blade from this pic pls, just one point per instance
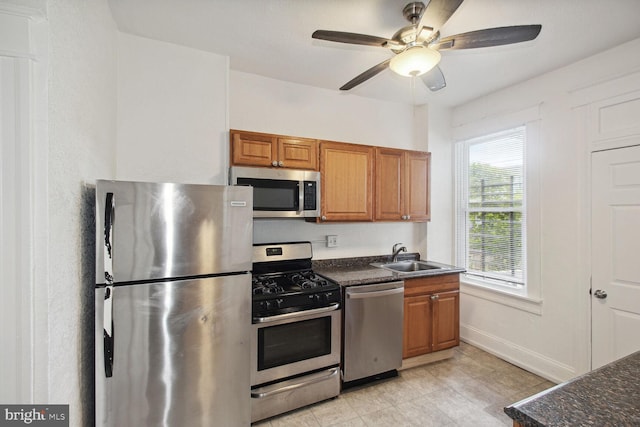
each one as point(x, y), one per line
point(489, 37)
point(351, 38)
point(438, 13)
point(434, 79)
point(366, 75)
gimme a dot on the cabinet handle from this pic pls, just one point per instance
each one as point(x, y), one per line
point(323, 218)
point(281, 163)
point(404, 217)
point(435, 297)
point(408, 216)
point(274, 163)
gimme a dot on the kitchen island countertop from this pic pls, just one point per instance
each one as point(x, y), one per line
point(607, 396)
point(359, 271)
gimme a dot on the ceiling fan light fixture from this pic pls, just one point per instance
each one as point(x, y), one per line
point(415, 61)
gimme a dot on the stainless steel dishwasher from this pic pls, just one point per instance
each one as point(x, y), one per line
point(373, 317)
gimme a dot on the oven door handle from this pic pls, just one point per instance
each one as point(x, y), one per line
point(295, 314)
point(310, 379)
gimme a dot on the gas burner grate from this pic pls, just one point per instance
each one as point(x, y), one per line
point(307, 280)
point(262, 285)
point(267, 288)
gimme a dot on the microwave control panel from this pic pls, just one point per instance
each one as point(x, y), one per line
point(309, 196)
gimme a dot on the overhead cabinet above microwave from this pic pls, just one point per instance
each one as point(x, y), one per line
point(261, 149)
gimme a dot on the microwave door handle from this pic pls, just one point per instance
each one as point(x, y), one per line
point(107, 318)
point(300, 197)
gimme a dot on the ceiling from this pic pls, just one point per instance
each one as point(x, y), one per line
point(272, 38)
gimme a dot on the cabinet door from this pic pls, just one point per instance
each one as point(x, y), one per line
point(298, 153)
point(252, 149)
point(347, 187)
point(389, 177)
point(446, 323)
point(417, 326)
point(416, 195)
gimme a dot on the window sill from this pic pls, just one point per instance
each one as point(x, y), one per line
point(516, 298)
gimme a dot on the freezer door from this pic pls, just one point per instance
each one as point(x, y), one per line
point(173, 230)
point(181, 354)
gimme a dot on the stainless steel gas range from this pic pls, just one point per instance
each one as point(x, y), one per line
point(295, 341)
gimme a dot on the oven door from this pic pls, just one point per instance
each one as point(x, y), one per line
point(294, 343)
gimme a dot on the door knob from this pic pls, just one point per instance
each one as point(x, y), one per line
point(599, 293)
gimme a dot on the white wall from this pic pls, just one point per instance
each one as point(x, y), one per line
point(17, 211)
point(82, 131)
point(273, 106)
point(440, 228)
point(172, 113)
point(555, 341)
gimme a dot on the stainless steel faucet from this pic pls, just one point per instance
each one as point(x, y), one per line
point(395, 251)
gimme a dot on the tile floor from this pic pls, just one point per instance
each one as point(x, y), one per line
point(470, 389)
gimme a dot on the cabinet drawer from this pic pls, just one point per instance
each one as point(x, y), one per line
point(432, 284)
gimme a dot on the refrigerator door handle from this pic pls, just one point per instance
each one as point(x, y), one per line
point(109, 217)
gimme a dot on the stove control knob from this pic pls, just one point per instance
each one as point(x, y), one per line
point(279, 302)
point(321, 298)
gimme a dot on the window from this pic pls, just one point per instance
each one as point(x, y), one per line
point(490, 195)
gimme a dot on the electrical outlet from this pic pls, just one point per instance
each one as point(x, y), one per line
point(332, 241)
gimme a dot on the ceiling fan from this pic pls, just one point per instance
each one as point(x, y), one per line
point(417, 46)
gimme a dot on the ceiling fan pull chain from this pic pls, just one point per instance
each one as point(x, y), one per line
point(413, 90)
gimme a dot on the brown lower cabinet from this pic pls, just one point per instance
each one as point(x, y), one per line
point(431, 314)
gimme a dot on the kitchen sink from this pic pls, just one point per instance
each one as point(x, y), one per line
point(410, 266)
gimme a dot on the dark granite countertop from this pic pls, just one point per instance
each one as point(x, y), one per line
point(359, 271)
point(607, 396)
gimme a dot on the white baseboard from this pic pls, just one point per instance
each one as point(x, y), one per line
point(520, 356)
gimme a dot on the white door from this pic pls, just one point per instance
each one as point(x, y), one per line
point(615, 254)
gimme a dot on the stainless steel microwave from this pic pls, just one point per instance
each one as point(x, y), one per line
point(280, 193)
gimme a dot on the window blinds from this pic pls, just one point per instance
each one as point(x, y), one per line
point(491, 223)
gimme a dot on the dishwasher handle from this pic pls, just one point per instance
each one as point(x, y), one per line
point(374, 294)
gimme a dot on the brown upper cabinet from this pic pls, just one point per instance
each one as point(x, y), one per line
point(262, 149)
point(402, 185)
point(347, 181)
point(350, 191)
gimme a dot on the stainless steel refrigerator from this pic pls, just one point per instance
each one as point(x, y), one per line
point(173, 304)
